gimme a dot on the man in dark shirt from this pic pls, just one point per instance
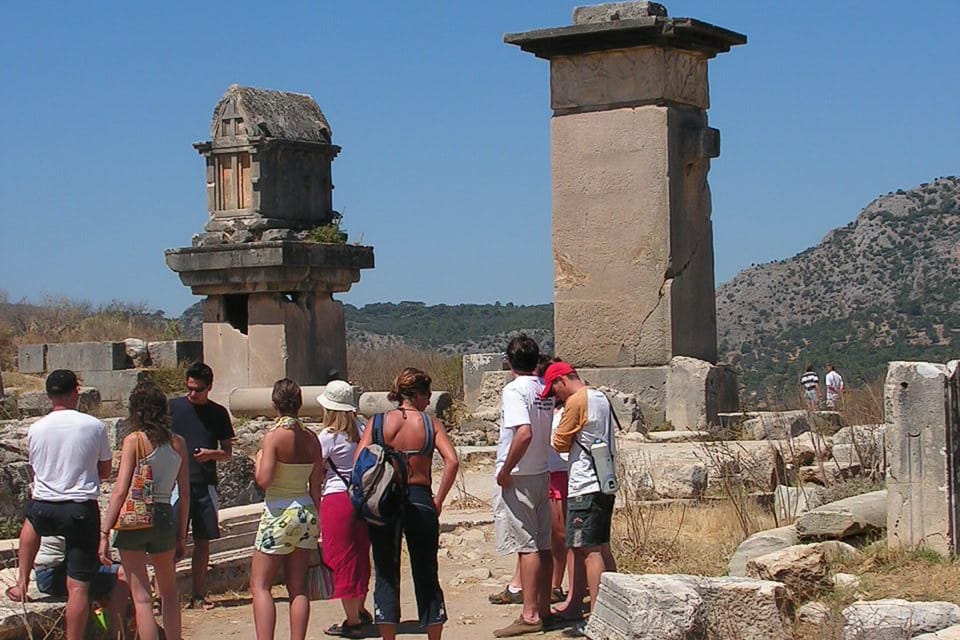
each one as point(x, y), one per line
point(205, 425)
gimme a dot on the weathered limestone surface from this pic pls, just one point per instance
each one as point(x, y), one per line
point(32, 358)
point(802, 567)
point(864, 513)
point(114, 386)
point(922, 441)
point(169, 354)
point(617, 11)
point(680, 607)
point(815, 613)
point(950, 633)
point(87, 356)
point(698, 391)
point(474, 366)
point(647, 384)
point(760, 544)
point(896, 619)
point(37, 403)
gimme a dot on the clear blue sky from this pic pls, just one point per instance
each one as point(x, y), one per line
point(444, 129)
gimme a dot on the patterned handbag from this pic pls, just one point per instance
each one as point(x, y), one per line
point(319, 577)
point(137, 510)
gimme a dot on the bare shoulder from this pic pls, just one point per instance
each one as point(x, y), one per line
point(178, 443)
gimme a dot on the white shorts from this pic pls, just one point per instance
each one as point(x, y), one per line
point(521, 515)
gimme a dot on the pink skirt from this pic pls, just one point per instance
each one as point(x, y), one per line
point(346, 546)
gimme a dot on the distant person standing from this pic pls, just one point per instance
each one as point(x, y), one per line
point(810, 388)
point(206, 427)
point(521, 503)
point(834, 386)
point(70, 454)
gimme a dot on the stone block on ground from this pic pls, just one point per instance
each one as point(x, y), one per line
point(759, 544)
point(488, 399)
point(697, 392)
point(802, 567)
point(680, 607)
point(37, 403)
point(866, 513)
point(169, 354)
point(87, 356)
point(32, 358)
point(137, 352)
point(815, 613)
point(777, 425)
point(628, 410)
point(474, 366)
point(950, 633)
point(804, 449)
point(114, 386)
point(648, 385)
point(677, 436)
point(896, 619)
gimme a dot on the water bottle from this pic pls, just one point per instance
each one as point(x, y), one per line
point(603, 462)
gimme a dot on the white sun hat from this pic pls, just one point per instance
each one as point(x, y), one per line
point(337, 396)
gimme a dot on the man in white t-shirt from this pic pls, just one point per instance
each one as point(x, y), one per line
point(834, 386)
point(70, 454)
point(521, 505)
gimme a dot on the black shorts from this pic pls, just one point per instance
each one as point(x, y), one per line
point(203, 519)
point(79, 525)
point(588, 520)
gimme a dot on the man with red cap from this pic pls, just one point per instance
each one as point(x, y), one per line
point(586, 432)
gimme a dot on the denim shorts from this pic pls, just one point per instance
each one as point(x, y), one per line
point(53, 580)
point(589, 518)
point(161, 537)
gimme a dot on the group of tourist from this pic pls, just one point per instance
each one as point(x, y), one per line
point(553, 501)
point(68, 543)
point(553, 506)
point(810, 388)
point(306, 477)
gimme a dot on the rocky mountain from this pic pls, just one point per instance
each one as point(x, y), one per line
point(884, 287)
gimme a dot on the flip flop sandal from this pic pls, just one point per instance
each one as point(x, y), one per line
point(557, 595)
point(366, 618)
point(201, 603)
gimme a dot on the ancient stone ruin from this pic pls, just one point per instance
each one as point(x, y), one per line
point(632, 236)
point(269, 310)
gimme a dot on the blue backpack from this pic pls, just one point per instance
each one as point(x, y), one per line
point(378, 483)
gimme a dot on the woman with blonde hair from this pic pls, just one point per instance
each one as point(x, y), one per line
point(166, 453)
point(346, 544)
point(410, 430)
point(288, 469)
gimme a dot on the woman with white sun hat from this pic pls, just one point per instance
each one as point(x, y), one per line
point(346, 544)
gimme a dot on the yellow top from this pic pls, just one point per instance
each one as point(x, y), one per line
point(289, 481)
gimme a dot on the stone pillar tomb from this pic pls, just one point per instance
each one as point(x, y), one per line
point(922, 407)
point(269, 311)
point(632, 236)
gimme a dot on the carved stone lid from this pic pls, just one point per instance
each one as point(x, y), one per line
point(593, 32)
point(264, 113)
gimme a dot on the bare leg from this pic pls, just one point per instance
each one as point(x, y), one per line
point(263, 572)
point(27, 553)
point(558, 542)
point(572, 609)
point(608, 560)
point(295, 574)
point(388, 631)
point(351, 608)
point(135, 566)
point(530, 574)
point(434, 631)
point(164, 568)
point(544, 577)
point(198, 567)
point(515, 580)
point(595, 567)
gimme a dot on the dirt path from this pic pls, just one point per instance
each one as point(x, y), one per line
point(465, 554)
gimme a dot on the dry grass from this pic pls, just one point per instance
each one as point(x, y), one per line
point(64, 320)
point(22, 381)
point(863, 404)
point(676, 538)
point(375, 370)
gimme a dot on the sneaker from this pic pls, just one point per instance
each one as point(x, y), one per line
point(578, 630)
point(506, 597)
point(519, 627)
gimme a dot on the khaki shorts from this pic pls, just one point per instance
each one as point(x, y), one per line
point(521, 515)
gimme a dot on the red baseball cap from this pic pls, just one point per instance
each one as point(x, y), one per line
point(554, 371)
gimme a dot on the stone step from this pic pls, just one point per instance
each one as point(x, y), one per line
point(227, 543)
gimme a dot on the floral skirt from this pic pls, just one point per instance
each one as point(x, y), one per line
point(287, 525)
